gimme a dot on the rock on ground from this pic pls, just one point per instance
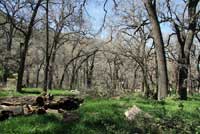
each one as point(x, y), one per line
point(132, 113)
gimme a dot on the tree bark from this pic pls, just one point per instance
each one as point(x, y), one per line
point(38, 74)
point(63, 77)
point(51, 70)
point(185, 47)
point(27, 76)
point(198, 70)
point(47, 48)
point(73, 75)
point(145, 82)
point(5, 75)
point(89, 71)
point(159, 45)
point(25, 49)
point(9, 45)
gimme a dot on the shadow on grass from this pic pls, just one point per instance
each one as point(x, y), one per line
point(36, 124)
point(194, 98)
point(30, 92)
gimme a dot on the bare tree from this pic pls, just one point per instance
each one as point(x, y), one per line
point(27, 36)
point(21, 25)
point(47, 47)
point(159, 46)
point(185, 30)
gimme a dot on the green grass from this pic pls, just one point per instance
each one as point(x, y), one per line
point(9, 93)
point(59, 92)
point(33, 92)
point(106, 116)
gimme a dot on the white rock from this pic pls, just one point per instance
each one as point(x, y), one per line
point(75, 91)
point(132, 112)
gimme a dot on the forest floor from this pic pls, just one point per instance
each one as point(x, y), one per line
point(106, 116)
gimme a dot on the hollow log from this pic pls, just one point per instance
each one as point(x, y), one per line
point(40, 100)
point(41, 110)
point(67, 103)
point(53, 105)
point(70, 103)
point(5, 115)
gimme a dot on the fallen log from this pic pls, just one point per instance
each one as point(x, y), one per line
point(70, 103)
point(16, 110)
point(9, 111)
point(41, 110)
point(40, 105)
point(14, 101)
point(40, 100)
point(67, 103)
point(28, 109)
point(53, 105)
point(3, 107)
point(4, 115)
point(10, 103)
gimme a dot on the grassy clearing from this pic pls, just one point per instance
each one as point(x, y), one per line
point(33, 92)
point(106, 116)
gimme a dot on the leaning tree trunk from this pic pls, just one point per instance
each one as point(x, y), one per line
point(38, 74)
point(63, 77)
point(22, 64)
point(159, 45)
point(25, 48)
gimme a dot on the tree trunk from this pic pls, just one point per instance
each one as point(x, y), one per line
point(159, 45)
point(133, 86)
point(198, 70)
point(51, 70)
point(25, 49)
point(72, 81)
point(89, 71)
point(38, 74)
point(9, 45)
point(185, 47)
point(50, 81)
point(182, 82)
point(27, 77)
point(63, 77)
point(145, 82)
point(157, 77)
point(189, 81)
point(47, 49)
point(5, 75)
point(21, 65)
